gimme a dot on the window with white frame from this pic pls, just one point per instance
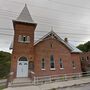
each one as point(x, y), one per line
point(73, 65)
point(61, 64)
point(23, 39)
point(43, 64)
point(52, 62)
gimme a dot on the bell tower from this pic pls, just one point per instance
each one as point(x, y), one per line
point(23, 44)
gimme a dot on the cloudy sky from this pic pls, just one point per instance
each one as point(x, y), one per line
point(69, 18)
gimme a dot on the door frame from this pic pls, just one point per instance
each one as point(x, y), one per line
point(22, 59)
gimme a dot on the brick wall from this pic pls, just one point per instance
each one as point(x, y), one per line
point(44, 50)
point(22, 49)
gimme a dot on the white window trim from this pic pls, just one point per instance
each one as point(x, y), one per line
point(74, 67)
point(43, 69)
point(61, 68)
point(61, 63)
point(54, 66)
point(52, 69)
point(20, 40)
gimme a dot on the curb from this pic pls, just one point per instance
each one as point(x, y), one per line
point(75, 85)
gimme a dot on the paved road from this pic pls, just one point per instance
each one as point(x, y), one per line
point(80, 87)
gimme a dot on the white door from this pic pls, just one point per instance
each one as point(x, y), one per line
point(22, 69)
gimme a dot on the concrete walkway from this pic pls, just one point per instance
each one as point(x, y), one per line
point(53, 85)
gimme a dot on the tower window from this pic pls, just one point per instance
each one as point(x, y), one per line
point(23, 39)
point(61, 64)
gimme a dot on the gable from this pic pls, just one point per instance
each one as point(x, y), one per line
point(51, 43)
point(55, 36)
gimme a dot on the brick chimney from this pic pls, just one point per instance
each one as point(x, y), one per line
point(66, 40)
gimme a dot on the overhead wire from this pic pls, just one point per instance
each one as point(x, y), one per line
point(46, 21)
point(47, 31)
point(47, 18)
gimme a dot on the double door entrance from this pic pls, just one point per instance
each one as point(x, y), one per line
point(22, 67)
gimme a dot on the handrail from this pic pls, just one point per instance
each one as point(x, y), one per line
point(9, 78)
point(59, 77)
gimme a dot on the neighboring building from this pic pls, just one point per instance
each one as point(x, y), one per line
point(50, 55)
point(85, 61)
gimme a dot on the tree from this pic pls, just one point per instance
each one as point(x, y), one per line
point(5, 60)
point(84, 47)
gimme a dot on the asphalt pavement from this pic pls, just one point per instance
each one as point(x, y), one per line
point(78, 87)
point(65, 85)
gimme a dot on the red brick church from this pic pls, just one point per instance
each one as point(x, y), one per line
point(50, 55)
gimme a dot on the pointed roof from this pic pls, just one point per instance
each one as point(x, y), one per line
point(25, 16)
point(54, 35)
point(72, 48)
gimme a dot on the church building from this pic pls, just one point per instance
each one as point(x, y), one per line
point(50, 55)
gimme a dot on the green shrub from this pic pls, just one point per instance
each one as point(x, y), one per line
point(5, 60)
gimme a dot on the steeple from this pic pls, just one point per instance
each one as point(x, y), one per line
point(25, 16)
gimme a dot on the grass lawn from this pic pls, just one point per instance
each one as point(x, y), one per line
point(2, 87)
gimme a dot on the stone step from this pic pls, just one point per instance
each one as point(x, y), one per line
point(20, 82)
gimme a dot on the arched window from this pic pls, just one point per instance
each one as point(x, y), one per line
point(73, 64)
point(42, 64)
point(61, 64)
point(22, 59)
point(52, 64)
point(31, 65)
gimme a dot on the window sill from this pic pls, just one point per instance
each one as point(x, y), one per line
point(61, 68)
point(23, 41)
point(43, 69)
point(74, 67)
point(52, 69)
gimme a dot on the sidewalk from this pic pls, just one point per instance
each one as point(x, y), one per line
point(53, 85)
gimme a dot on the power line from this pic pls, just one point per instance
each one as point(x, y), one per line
point(47, 31)
point(67, 4)
point(59, 27)
point(40, 37)
point(52, 19)
point(56, 10)
point(49, 25)
point(44, 17)
point(40, 7)
point(45, 21)
point(6, 34)
point(70, 5)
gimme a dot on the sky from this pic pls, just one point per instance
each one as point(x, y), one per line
point(68, 18)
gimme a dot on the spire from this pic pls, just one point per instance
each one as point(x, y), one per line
point(52, 33)
point(25, 16)
point(51, 28)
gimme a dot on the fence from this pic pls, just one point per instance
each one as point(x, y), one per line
point(53, 78)
point(60, 77)
point(3, 82)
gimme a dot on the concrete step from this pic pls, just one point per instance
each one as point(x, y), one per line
point(20, 82)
